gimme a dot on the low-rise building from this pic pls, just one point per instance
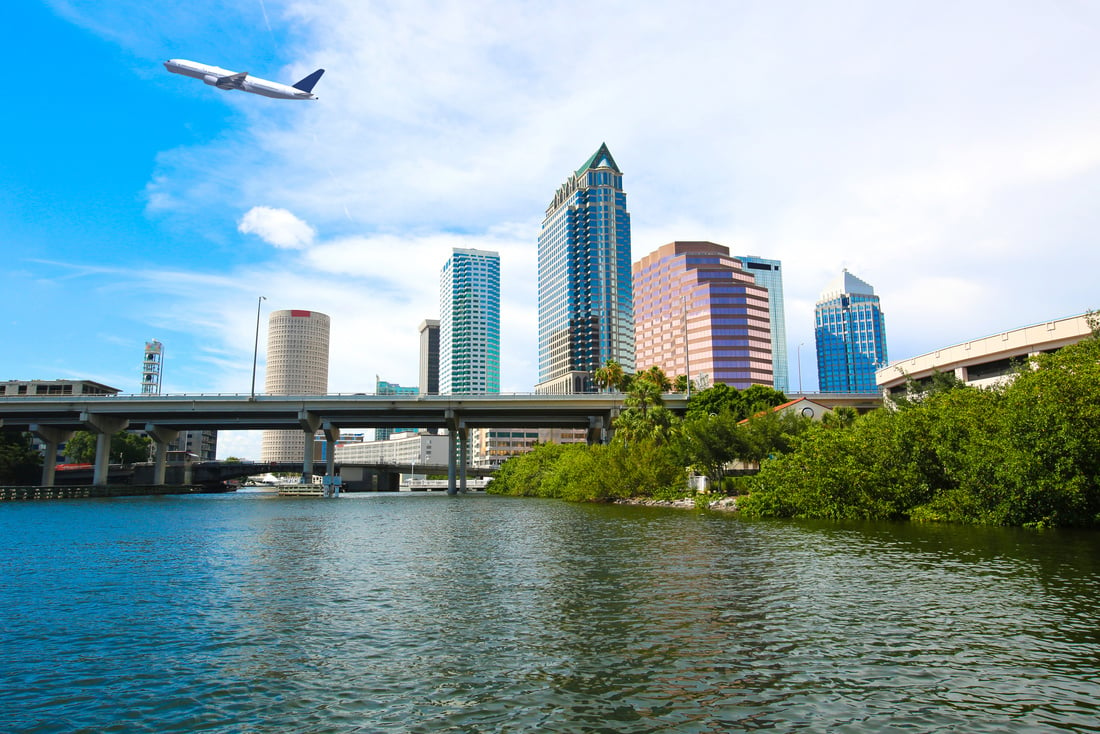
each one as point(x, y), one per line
point(39, 388)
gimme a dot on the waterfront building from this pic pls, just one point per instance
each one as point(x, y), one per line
point(850, 336)
point(491, 447)
point(297, 364)
point(405, 452)
point(38, 388)
point(985, 361)
point(429, 357)
point(695, 294)
point(381, 387)
point(769, 273)
point(586, 312)
point(469, 323)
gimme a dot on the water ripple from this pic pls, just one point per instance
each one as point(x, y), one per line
point(482, 614)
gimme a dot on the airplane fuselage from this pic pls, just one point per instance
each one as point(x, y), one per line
point(221, 78)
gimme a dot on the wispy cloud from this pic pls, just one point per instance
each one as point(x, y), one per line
point(948, 154)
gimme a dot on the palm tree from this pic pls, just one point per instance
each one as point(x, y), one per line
point(657, 376)
point(841, 416)
point(609, 376)
point(643, 393)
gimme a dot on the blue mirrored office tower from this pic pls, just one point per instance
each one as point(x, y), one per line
point(850, 335)
point(586, 310)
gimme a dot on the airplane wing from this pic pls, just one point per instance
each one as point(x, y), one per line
point(233, 81)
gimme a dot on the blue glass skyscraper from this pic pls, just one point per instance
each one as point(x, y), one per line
point(469, 323)
point(850, 335)
point(586, 311)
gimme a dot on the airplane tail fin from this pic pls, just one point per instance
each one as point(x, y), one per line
point(307, 84)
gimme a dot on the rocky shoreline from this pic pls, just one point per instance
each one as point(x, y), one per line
point(725, 504)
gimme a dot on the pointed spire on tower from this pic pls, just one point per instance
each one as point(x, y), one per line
point(600, 159)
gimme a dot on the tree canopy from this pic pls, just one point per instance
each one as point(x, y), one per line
point(1024, 453)
point(126, 448)
point(20, 464)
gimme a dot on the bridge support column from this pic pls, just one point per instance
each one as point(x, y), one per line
point(310, 423)
point(332, 435)
point(161, 438)
point(464, 458)
point(452, 449)
point(104, 427)
point(52, 437)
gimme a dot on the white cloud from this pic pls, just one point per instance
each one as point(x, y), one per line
point(945, 153)
point(277, 227)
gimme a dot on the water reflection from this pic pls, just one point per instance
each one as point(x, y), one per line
point(434, 613)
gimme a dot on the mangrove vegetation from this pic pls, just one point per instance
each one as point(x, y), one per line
point(1025, 452)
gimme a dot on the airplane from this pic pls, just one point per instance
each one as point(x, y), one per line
point(221, 78)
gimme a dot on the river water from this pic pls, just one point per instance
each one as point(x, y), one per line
point(429, 613)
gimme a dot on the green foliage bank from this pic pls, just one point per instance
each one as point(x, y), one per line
point(652, 449)
point(1026, 453)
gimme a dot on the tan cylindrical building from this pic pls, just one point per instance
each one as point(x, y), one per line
point(297, 364)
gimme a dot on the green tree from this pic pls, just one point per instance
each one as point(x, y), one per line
point(610, 376)
point(126, 448)
point(20, 464)
point(658, 378)
point(709, 443)
point(840, 417)
point(742, 404)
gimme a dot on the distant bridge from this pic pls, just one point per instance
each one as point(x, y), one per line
point(54, 418)
point(162, 417)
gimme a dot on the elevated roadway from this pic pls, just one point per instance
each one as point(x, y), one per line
point(162, 417)
point(54, 418)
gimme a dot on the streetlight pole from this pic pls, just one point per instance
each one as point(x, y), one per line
point(687, 355)
point(256, 346)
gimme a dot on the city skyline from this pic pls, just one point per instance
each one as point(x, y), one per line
point(171, 207)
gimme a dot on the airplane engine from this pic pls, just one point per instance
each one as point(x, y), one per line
point(211, 79)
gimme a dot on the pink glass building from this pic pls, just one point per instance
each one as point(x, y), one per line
point(696, 289)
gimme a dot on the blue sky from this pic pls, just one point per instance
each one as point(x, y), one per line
point(948, 154)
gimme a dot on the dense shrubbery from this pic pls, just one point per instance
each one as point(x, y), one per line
point(1023, 454)
point(20, 464)
point(652, 449)
point(593, 473)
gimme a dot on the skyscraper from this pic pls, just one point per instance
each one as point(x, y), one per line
point(381, 387)
point(850, 335)
point(429, 357)
point(586, 311)
point(769, 274)
point(297, 364)
point(469, 323)
point(695, 291)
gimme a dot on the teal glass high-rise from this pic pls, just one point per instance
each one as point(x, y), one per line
point(769, 274)
point(469, 323)
point(850, 336)
point(586, 310)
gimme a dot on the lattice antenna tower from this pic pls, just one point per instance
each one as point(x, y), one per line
point(152, 368)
